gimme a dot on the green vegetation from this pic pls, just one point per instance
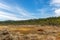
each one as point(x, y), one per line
point(42, 21)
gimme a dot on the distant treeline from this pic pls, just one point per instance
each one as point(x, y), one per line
point(42, 21)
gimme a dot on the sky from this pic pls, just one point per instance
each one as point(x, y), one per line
point(28, 9)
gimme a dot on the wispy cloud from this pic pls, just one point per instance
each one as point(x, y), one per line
point(4, 6)
point(22, 12)
point(8, 16)
point(13, 10)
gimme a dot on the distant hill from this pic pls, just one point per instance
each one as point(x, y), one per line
point(42, 21)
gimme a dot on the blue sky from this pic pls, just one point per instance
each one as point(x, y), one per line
point(28, 9)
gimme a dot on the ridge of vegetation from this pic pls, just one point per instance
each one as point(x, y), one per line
point(42, 21)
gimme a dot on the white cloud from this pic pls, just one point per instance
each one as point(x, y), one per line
point(3, 6)
point(8, 16)
point(55, 3)
point(13, 10)
point(57, 12)
point(56, 7)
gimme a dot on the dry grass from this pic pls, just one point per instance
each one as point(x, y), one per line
point(32, 32)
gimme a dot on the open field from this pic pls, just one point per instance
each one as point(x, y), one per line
point(29, 32)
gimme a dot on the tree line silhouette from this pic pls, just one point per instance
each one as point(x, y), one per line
point(42, 21)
